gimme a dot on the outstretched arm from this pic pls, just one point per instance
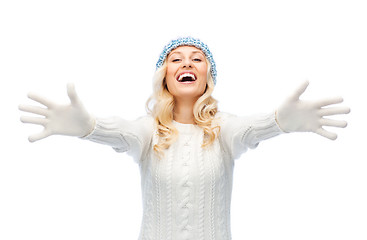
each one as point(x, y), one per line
point(296, 115)
point(71, 119)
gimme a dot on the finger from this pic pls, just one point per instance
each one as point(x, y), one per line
point(333, 123)
point(34, 120)
point(33, 109)
point(322, 132)
point(40, 99)
point(329, 101)
point(72, 93)
point(334, 111)
point(38, 136)
point(300, 90)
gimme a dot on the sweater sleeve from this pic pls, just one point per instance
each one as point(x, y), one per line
point(133, 137)
point(240, 133)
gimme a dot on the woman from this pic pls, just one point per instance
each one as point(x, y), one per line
point(185, 148)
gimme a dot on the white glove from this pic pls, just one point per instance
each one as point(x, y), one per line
point(296, 115)
point(71, 119)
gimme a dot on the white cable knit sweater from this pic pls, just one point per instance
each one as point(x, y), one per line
point(187, 194)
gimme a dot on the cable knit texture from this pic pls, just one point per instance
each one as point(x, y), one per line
point(186, 194)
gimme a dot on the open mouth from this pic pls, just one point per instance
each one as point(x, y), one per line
point(186, 77)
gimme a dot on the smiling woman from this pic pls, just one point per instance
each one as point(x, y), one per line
point(186, 76)
point(185, 148)
point(185, 102)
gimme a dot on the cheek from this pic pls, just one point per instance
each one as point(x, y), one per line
point(169, 77)
point(170, 73)
point(202, 69)
point(203, 73)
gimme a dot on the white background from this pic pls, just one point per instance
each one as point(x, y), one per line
point(296, 186)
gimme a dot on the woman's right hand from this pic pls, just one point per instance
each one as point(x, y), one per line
point(71, 119)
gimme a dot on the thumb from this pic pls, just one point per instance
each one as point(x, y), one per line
point(300, 90)
point(72, 93)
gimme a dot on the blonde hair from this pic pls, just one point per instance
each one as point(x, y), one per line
point(161, 105)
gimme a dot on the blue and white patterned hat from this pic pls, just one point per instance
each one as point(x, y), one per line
point(188, 41)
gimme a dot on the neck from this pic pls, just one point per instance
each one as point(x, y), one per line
point(183, 112)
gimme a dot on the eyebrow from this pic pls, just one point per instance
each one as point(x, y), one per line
point(179, 52)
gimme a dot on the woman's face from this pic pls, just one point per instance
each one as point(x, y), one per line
point(186, 74)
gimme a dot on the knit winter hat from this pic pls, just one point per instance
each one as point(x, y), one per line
point(188, 41)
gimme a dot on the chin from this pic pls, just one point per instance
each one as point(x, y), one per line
point(188, 95)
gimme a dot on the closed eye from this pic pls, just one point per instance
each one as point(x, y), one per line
point(176, 60)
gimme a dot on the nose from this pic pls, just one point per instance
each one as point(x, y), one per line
point(186, 63)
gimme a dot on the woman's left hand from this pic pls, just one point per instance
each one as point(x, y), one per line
point(296, 115)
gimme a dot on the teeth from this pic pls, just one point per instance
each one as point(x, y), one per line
point(186, 75)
